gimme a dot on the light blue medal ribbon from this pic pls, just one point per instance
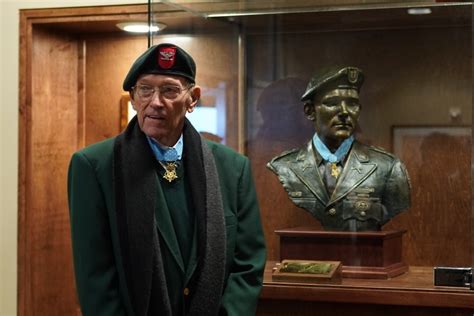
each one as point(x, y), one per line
point(333, 158)
point(167, 157)
point(327, 155)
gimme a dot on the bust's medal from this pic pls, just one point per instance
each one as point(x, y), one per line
point(334, 170)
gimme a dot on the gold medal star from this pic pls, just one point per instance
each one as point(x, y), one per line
point(170, 171)
point(334, 170)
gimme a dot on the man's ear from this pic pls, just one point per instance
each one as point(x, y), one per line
point(195, 94)
point(309, 111)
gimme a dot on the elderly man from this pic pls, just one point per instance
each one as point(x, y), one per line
point(164, 222)
point(346, 185)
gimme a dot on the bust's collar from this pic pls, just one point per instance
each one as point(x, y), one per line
point(361, 152)
point(309, 151)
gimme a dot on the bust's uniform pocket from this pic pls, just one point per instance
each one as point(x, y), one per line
point(362, 209)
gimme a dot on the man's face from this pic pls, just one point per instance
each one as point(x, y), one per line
point(161, 102)
point(336, 115)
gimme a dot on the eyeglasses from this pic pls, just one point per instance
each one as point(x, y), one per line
point(169, 92)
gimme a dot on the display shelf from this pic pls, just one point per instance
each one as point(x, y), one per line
point(414, 288)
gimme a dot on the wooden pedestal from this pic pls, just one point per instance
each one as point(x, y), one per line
point(370, 255)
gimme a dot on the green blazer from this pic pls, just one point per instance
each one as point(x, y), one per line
point(121, 255)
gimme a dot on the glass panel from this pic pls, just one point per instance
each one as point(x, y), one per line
point(214, 45)
point(416, 99)
point(223, 8)
point(416, 103)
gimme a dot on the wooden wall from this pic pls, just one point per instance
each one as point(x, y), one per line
point(414, 77)
point(51, 125)
point(108, 59)
point(72, 83)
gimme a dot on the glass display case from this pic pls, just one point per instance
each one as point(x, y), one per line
point(416, 103)
point(254, 61)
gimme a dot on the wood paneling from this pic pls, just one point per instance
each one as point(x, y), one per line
point(414, 77)
point(71, 87)
point(109, 58)
point(52, 126)
point(51, 129)
point(438, 161)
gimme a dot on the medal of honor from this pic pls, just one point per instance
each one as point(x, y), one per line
point(170, 171)
point(334, 170)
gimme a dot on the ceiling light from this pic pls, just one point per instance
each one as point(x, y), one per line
point(140, 27)
point(419, 11)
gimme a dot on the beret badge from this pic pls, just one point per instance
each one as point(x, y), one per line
point(166, 57)
point(352, 75)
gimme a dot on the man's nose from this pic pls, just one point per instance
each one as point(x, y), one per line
point(155, 100)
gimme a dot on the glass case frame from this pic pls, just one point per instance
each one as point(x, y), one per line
point(417, 58)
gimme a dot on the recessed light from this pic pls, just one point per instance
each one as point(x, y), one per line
point(140, 27)
point(419, 11)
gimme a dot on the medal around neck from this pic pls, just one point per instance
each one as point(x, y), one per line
point(170, 171)
point(334, 170)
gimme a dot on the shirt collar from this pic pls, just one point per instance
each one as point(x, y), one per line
point(159, 149)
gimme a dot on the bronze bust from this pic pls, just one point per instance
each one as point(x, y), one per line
point(346, 185)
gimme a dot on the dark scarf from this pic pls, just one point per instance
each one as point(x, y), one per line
point(135, 186)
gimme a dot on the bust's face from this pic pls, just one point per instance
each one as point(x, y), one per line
point(336, 114)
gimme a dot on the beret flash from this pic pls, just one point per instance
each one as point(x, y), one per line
point(342, 78)
point(163, 59)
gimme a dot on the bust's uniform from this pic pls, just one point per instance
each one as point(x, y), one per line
point(372, 188)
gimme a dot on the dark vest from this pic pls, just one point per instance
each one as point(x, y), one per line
point(180, 253)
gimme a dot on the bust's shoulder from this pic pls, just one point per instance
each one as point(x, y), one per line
point(374, 150)
point(280, 163)
point(285, 155)
point(382, 151)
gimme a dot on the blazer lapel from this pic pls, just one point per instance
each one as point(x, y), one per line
point(357, 169)
point(306, 169)
point(193, 258)
point(166, 228)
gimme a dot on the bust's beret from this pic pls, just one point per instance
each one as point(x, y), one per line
point(342, 78)
point(166, 59)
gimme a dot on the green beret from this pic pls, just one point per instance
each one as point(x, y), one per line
point(342, 78)
point(163, 59)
